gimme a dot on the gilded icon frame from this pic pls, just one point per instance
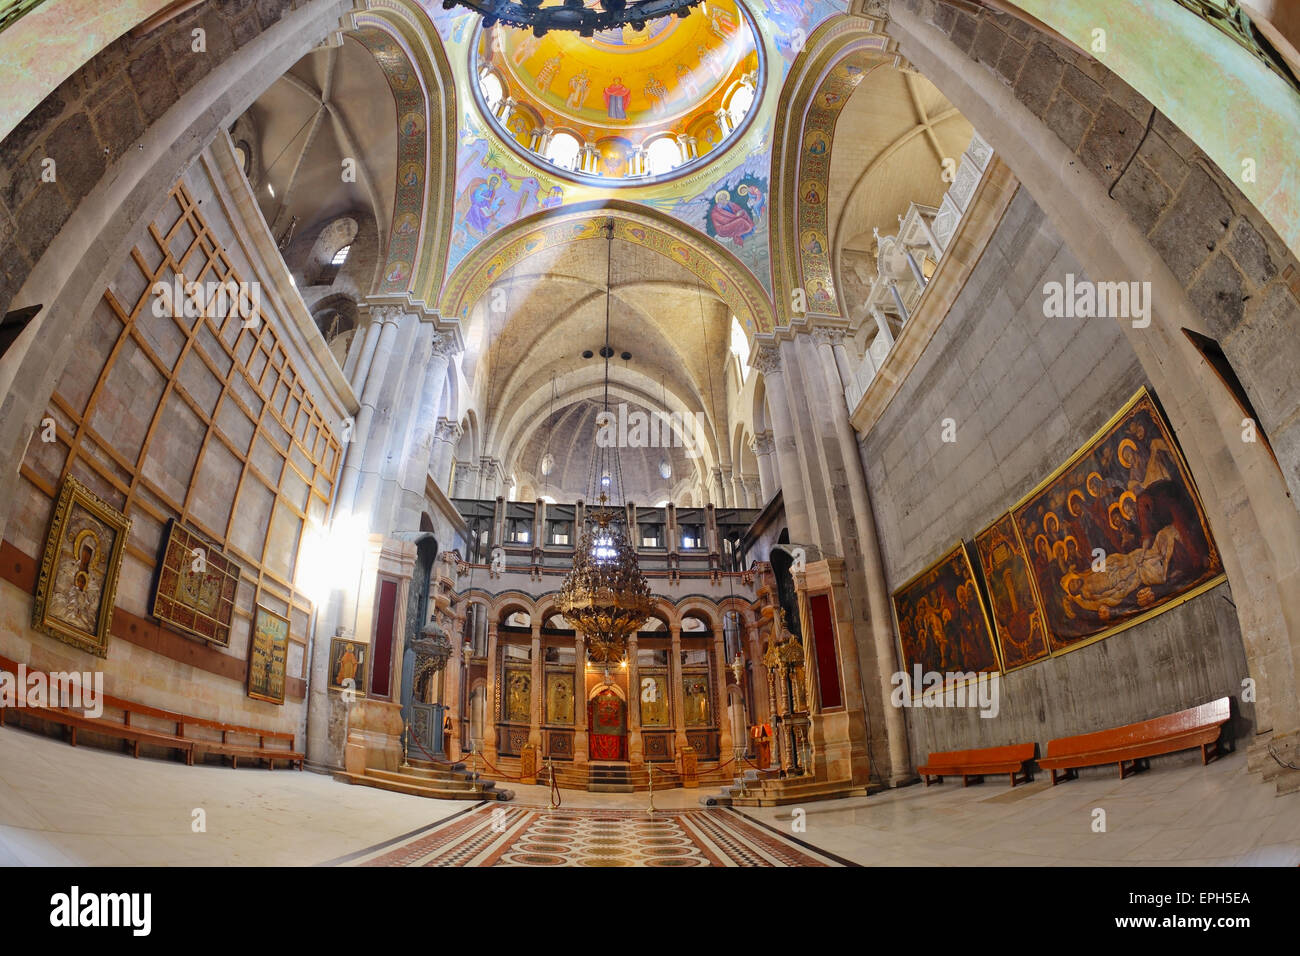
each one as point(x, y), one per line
point(95, 567)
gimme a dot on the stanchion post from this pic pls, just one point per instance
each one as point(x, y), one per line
point(651, 809)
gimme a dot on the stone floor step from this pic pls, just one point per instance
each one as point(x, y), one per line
point(412, 787)
point(458, 783)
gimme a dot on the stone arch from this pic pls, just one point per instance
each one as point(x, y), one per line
point(408, 48)
point(702, 608)
point(820, 71)
point(508, 602)
point(603, 686)
point(503, 438)
point(721, 272)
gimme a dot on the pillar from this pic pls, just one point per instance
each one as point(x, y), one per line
point(580, 755)
point(535, 710)
point(768, 362)
point(763, 448)
point(882, 327)
point(880, 619)
point(493, 698)
point(455, 673)
point(385, 320)
point(417, 447)
point(445, 436)
point(635, 745)
point(726, 745)
point(675, 688)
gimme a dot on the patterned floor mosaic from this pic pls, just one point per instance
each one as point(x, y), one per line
point(523, 836)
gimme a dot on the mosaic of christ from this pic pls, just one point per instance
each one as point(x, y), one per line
point(1118, 532)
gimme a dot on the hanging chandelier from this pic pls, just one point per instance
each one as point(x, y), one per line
point(605, 596)
point(542, 16)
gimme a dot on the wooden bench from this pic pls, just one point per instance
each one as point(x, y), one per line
point(176, 739)
point(969, 764)
point(1130, 747)
point(248, 751)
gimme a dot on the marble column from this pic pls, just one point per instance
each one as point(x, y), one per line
point(884, 662)
point(535, 718)
point(355, 348)
point(882, 327)
point(491, 706)
point(769, 481)
point(457, 668)
point(769, 362)
point(361, 362)
point(675, 688)
point(726, 745)
point(385, 319)
point(418, 446)
point(445, 435)
point(580, 755)
point(635, 745)
point(739, 494)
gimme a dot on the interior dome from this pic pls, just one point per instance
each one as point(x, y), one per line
point(624, 106)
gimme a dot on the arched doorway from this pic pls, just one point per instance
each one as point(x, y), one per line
point(607, 725)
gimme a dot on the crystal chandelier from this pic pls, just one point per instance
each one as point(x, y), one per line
point(585, 19)
point(605, 596)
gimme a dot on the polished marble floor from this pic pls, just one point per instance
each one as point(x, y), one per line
point(82, 806)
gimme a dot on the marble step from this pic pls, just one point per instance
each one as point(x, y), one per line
point(419, 787)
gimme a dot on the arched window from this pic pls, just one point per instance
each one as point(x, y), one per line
point(741, 100)
point(563, 150)
point(740, 347)
point(341, 256)
point(662, 156)
point(490, 84)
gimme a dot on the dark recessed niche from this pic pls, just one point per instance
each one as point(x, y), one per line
point(588, 353)
point(606, 351)
point(626, 356)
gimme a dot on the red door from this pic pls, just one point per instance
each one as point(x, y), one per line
point(607, 726)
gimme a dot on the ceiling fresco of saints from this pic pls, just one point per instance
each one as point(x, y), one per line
point(618, 91)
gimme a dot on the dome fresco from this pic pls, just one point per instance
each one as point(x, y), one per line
point(624, 104)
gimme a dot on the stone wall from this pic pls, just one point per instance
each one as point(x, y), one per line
point(1236, 269)
point(1025, 392)
point(227, 423)
point(98, 113)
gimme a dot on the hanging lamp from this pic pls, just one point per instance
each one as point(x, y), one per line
point(605, 596)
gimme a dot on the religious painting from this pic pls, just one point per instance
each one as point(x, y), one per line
point(1017, 615)
point(267, 655)
point(1118, 533)
point(79, 569)
point(518, 693)
point(695, 699)
point(347, 665)
point(195, 584)
point(655, 710)
point(559, 697)
point(734, 213)
point(941, 621)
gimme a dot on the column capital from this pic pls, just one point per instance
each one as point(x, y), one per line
point(444, 345)
point(766, 358)
point(825, 335)
point(447, 430)
point(763, 443)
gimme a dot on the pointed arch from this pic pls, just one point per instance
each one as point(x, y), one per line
point(546, 230)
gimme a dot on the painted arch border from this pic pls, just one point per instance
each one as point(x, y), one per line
point(830, 45)
point(546, 229)
point(419, 46)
